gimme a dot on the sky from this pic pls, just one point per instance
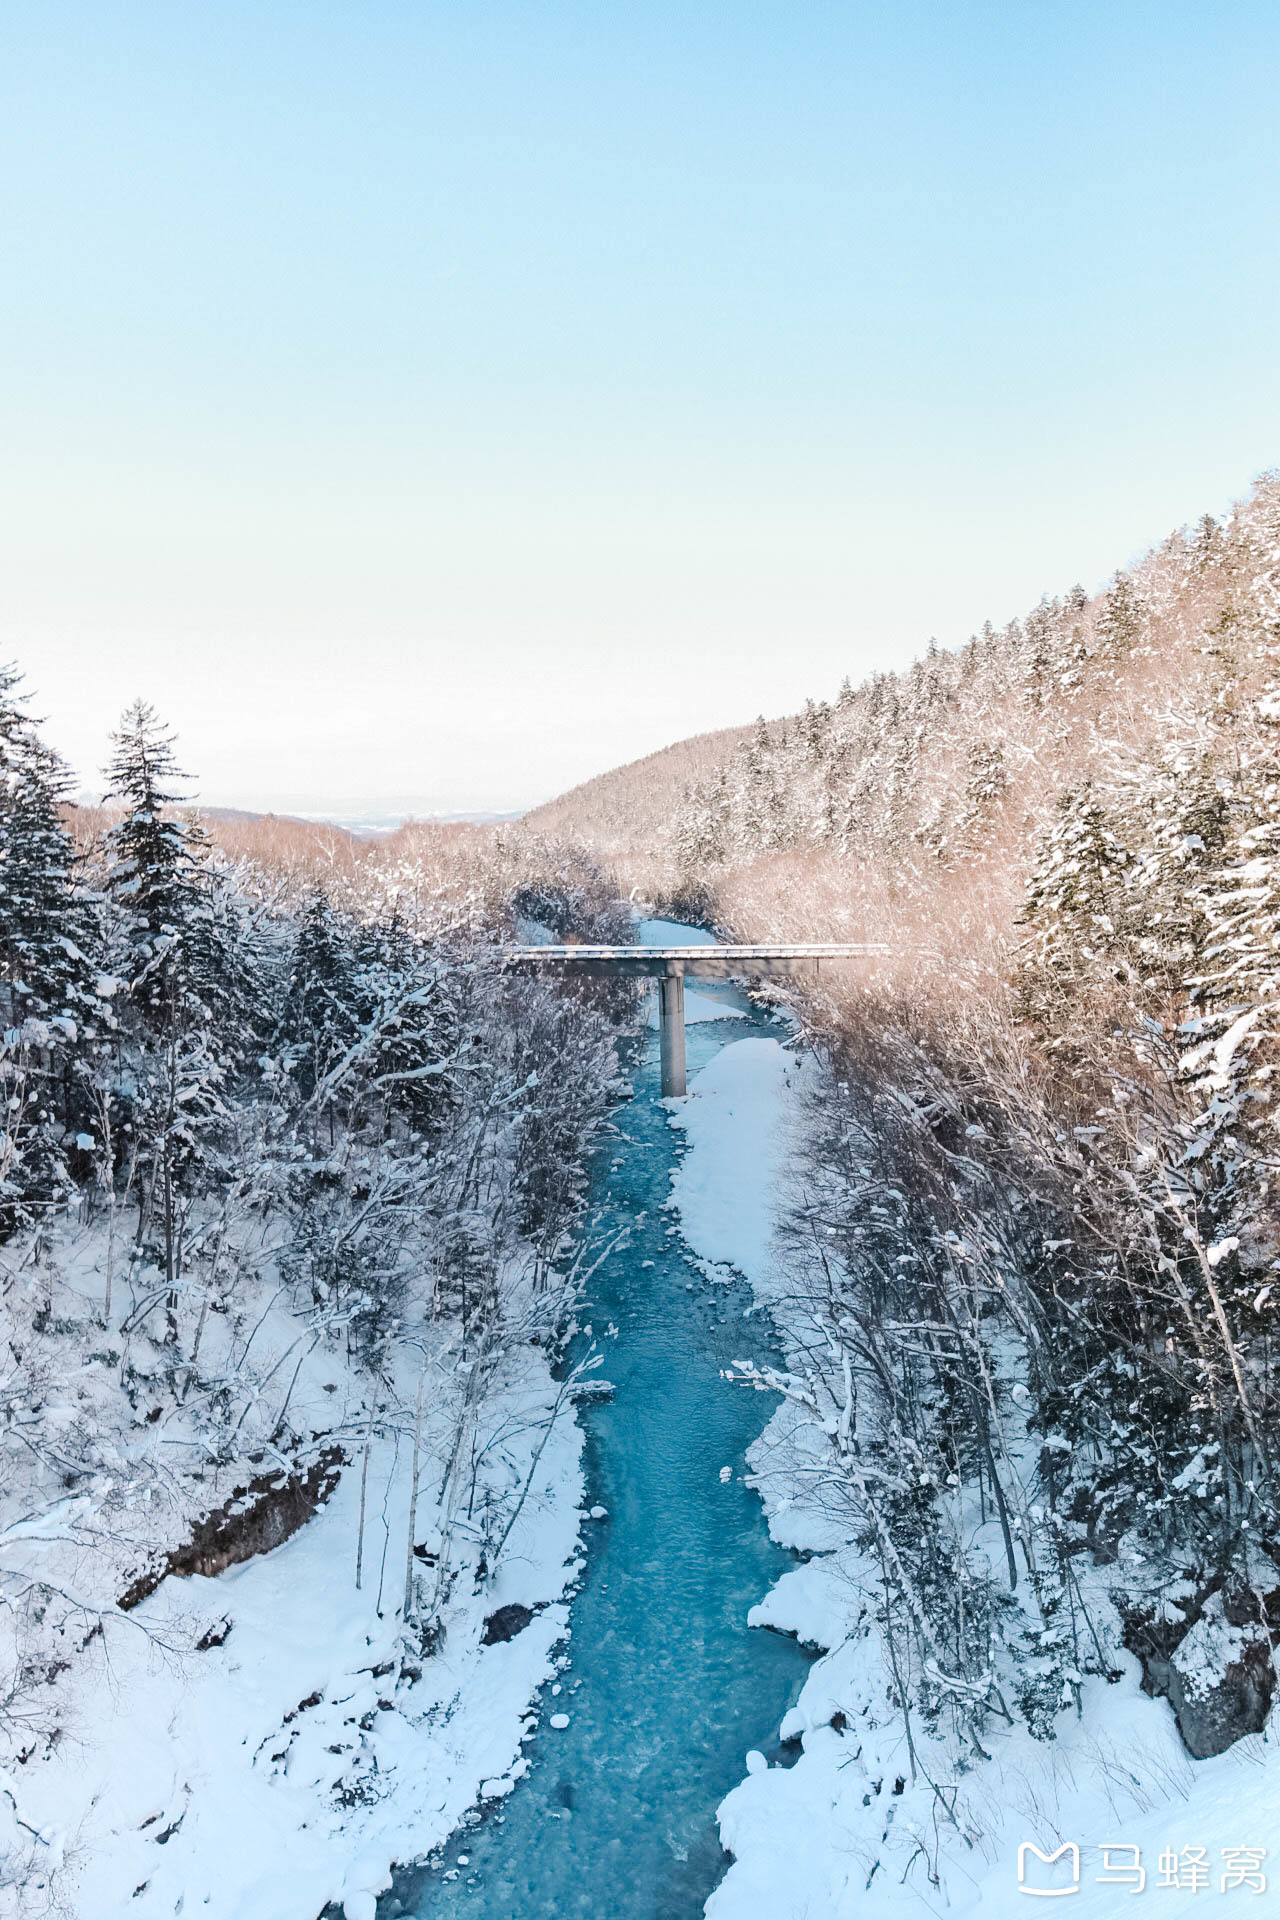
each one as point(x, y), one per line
point(428, 406)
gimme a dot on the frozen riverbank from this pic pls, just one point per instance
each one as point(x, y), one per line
point(888, 1830)
point(257, 1742)
point(664, 1689)
point(254, 1745)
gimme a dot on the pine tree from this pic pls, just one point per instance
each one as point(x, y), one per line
point(44, 923)
point(1121, 617)
point(988, 777)
point(1206, 543)
point(16, 726)
point(154, 873)
point(1074, 906)
point(758, 780)
point(317, 1022)
point(1236, 990)
point(405, 999)
point(1039, 656)
point(189, 986)
point(815, 729)
point(1184, 836)
point(223, 966)
point(704, 828)
point(46, 974)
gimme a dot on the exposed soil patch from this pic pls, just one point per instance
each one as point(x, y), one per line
point(256, 1518)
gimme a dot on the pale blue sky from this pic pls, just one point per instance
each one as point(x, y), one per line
point(439, 403)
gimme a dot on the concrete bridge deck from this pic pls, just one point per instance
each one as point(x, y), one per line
point(671, 966)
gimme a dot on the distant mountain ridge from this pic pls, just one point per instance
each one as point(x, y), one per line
point(633, 804)
point(917, 799)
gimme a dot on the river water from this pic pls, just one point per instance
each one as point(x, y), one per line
point(667, 1688)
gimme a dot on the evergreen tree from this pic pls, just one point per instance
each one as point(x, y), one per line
point(191, 983)
point(154, 873)
point(704, 828)
point(44, 922)
point(1206, 542)
point(1184, 835)
point(404, 997)
point(223, 967)
point(16, 726)
point(815, 729)
point(317, 1022)
point(1121, 617)
point(1074, 905)
point(1038, 631)
point(1236, 990)
point(988, 776)
point(50, 1005)
point(178, 1109)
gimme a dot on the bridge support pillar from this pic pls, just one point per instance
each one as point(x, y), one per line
point(671, 1033)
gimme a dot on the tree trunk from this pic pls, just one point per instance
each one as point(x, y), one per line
point(413, 1499)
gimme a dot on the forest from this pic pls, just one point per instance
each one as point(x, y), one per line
point(294, 1189)
point(1031, 1263)
point(292, 1173)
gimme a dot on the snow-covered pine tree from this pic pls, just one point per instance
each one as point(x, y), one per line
point(318, 1021)
point(705, 825)
point(1120, 620)
point(192, 960)
point(47, 979)
point(44, 923)
point(988, 776)
point(1184, 822)
point(188, 985)
point(1232, 1056)
point(224, 967)
point(153, 873)
point(1074, 907)
point(405, 996)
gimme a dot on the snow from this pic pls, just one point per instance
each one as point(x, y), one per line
point(288, 1765)
point(673, 933)
point(726, 1187)
point(1116, 1777)
point(534, 933)
point(697, 1006)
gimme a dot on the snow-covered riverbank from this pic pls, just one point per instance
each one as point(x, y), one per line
point(881, 1834)
point(665, 1688)
point(254, 1745)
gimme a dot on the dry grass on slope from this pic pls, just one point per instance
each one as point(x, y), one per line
point(633, 805)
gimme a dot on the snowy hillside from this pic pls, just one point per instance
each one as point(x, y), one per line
point(1026, 1254)
point(291, 1196)
point(890, 1823)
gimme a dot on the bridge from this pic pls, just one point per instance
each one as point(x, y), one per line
point(671, 967)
